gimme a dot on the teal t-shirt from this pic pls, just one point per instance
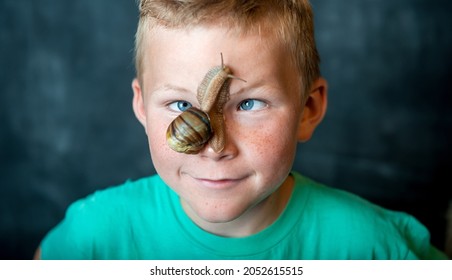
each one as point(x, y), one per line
point(144, 220)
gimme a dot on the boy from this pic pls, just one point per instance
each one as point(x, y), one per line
point(240, 201)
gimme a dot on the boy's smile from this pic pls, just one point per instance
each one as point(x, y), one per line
point(235, 192)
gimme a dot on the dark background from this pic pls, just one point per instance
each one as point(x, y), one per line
point(67, 126)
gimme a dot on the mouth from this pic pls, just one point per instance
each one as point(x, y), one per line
point(218, 184)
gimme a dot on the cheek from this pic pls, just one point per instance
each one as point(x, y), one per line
point(160, 152)
point(270, 146)
point(156, 132)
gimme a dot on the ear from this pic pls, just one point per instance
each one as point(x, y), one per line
point(138, 102)
point(314, 109)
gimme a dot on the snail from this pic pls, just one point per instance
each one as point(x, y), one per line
point(193, 128)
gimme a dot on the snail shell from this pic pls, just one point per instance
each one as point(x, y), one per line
point(189, 132)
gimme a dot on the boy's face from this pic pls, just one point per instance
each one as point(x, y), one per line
point(262, 119)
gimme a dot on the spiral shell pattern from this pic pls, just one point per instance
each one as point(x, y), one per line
point(189, 132)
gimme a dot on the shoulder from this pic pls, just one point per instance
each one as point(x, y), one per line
point(362, 226)
point(116, 198)
point(325, 200)
point(100, 218)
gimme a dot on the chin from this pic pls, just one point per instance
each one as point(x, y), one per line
point(219, 215)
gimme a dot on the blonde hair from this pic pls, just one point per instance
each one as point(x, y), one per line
point(290, 20)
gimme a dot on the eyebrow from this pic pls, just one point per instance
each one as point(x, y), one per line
point(257, 86)
point(170, 88)
point(177, 89)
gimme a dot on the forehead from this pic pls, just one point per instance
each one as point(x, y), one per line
point(186, 54)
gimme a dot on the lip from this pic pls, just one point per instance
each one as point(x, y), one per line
point(218, 183)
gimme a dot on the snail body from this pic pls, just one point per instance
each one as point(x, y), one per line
point(189, 132)
point(212, 86)
point(213, 93)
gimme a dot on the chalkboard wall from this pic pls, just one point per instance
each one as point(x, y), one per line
point(67, 126)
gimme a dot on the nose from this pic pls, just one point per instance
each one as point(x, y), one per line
point(229, 151)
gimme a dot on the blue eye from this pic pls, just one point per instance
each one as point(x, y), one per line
point(180, 105)
point(251, 104)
